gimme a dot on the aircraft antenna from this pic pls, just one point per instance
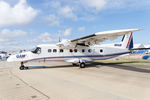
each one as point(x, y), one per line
point(59, 37)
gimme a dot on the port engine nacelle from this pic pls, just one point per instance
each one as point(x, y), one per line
point(66, 44)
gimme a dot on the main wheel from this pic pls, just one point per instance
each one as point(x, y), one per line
point(82, 65)
point(22, 68)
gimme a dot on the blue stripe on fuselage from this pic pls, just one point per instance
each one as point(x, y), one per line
point(86, 56)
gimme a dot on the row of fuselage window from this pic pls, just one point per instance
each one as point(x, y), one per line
point(71, 50)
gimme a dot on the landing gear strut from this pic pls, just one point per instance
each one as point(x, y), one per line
point(22, 67)
point(82, 65)
point(74, 64)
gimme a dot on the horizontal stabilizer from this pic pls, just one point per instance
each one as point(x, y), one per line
point(139, 49)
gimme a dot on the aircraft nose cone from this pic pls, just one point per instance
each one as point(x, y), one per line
point(10, 59)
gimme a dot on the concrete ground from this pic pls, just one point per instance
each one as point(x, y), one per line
point(62, 81)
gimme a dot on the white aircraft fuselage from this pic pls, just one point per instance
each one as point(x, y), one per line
point(80, 50)
point(79, 54)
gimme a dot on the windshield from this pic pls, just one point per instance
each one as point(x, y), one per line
point(36, 50)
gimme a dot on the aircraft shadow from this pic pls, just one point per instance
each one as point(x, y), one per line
point(119, 65)
point(124, 66)
point(46, 67)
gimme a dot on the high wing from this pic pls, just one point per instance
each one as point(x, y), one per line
point(102, 36)
point(97, 38)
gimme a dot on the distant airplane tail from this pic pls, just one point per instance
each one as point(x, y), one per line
point(127, 41)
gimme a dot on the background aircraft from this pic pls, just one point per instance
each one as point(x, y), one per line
point(146, 57)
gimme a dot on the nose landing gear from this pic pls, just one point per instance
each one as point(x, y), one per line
point(22, 67)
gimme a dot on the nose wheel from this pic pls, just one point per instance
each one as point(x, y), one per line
point(22, 67)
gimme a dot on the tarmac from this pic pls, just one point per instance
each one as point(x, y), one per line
point(62, 81)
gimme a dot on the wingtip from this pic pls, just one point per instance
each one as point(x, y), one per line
point(136, 29)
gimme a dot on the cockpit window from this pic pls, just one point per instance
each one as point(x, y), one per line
point(37, 50)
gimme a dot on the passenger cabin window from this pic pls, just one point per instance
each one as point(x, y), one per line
point(83, 50)
point(61, 50)
point(101, 50)
point(75, 50)
point(89, 50)
point(49, 50)
point(37, 50)
point(54, 50)
point(71, 50)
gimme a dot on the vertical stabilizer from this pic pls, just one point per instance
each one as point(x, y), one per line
point(127, 41)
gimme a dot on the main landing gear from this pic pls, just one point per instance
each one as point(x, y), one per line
point(82, 65)
point(22, 67)
point(74, 64)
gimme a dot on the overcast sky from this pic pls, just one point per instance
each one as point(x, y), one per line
point(26, 23)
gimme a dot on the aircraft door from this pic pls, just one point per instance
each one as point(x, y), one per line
point(96, 51)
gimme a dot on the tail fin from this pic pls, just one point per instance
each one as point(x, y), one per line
point(127, 41)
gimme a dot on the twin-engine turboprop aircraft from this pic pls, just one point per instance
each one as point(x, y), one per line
point(80, 50)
